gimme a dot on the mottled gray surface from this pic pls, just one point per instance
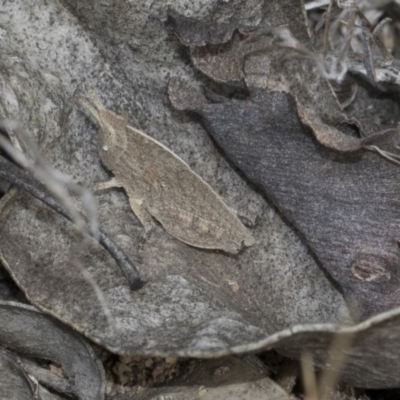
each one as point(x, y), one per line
point(194, 305)
point(172, 315)
point(201, 303)
point(255, 58)
point(130, 65)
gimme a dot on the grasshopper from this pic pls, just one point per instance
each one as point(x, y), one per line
point(161, 185)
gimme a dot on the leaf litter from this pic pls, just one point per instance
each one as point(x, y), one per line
point(279, 283)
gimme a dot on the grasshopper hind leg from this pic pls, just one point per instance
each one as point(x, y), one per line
point(141, 213)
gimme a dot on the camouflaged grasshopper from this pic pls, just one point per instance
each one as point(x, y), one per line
point(161, 185)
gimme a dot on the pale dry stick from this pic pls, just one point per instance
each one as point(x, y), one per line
point(369, 35)
point(339, 67)
point(394, 158)
point(315, 4)
point(326, 30)
point(36, 394)
point(368, 58)
point(54, 180)
point(351, 26)
point(48, 379)
point(345, 3)
point(292, 44)
point(368, 32)
point(334, 67)
point(331, 25)
point(375, 33)
point(14, 175)
point(331, 374)
point(288, 43)
point(335, 363)
point(309, 380)
point(376, 36)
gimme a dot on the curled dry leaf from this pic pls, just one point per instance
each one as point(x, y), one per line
point(329, 136)
point(277, 56)
point(33, 334)
point(257, 60)
point(384, 142)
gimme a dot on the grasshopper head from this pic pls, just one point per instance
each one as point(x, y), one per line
point(112, 126)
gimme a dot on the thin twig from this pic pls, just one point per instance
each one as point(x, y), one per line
point(327, 25)
point(16, 176)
